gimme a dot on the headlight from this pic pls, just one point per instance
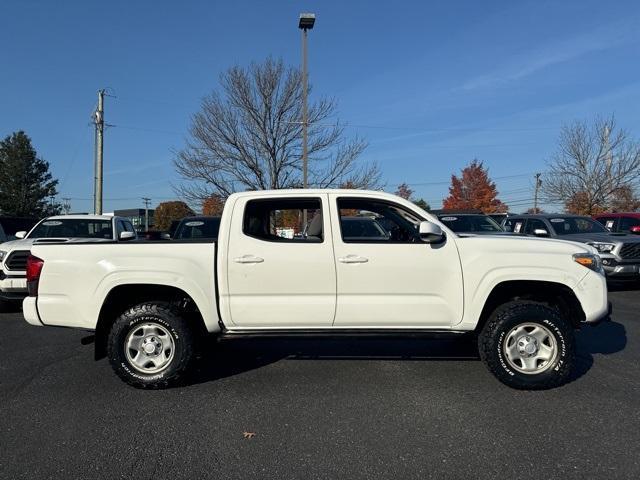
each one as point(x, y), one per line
point(589, 260)
point(2, 254)
point(602, 247)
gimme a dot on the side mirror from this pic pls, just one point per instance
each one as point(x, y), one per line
point(166, 236)
point(430, 232)
point(21, 234)
point(540, 232)
point(127, 236)
point(635, 230)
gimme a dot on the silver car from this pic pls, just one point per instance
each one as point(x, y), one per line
point(620, 252)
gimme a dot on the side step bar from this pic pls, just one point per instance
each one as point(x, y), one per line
point(228, 334)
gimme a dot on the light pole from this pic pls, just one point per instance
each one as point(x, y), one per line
point(306, 23)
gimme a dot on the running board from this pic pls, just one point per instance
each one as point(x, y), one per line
point(230, 334)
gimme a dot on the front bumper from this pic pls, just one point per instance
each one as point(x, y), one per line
point(591, 292)
point(604, 318)
point(617, 268)
point(11, 283)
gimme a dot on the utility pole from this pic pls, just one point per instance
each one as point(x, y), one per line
point(146, 201)
point(535, 198)
point(99, 123)
point(66, 205)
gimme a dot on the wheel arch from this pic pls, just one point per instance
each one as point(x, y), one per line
point(556, 295)
point(123, 297)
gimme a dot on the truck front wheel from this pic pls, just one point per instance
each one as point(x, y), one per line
point(150, 346)
point(528, 346)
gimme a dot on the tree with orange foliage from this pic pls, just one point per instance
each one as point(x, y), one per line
point(213, 206)
point(167, 212)
point(581, 203)
point(473, 190)
point(625, 200)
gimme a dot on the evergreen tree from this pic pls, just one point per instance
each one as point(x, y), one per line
point(26, 185)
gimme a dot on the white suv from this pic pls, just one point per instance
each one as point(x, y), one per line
point(67, 228)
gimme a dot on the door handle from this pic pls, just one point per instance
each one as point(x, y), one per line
point(353, 259)
point(248, 259)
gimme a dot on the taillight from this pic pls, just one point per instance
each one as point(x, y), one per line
point(34, 267)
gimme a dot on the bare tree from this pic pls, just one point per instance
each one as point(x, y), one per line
point(248, 136)
point(592, 164)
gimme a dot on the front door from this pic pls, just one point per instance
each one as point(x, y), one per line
point(387, 276)
point(280, 267)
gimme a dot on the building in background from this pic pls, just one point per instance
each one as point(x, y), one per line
point(136, 215)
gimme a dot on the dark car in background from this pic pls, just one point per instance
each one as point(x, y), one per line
point(10, 225)
point(621, 222)
point(197, 228)
point(620, 252)
point(469, 223)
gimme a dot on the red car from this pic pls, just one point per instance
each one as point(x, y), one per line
point(620, 222)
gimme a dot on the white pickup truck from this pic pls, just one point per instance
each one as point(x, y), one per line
point(56, 229)
point(284, 263)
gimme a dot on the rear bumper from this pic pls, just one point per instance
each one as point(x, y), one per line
point(30, 311)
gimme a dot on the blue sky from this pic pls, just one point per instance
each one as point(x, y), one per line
point(431, 85)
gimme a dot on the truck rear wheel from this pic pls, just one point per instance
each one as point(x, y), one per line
point(528, 346)
point(150, 346)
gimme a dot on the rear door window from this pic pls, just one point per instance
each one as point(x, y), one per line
point(284, 220)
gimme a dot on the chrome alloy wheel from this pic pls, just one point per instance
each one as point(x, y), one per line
point(530, 348)
point(149, 347)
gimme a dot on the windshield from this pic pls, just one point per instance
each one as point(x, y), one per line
point(198, 228)
point(73, 228)
point(573, 225)
point(470, 223)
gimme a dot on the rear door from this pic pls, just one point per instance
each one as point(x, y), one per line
point(395, 280)
point(280, 268)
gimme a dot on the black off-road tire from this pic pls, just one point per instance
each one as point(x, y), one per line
point(493, 336)
point(166, 315)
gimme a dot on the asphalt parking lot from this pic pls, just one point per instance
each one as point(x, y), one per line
point(395, 408)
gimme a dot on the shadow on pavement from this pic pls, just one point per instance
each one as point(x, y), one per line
point(235, 356)
point(605, 339)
